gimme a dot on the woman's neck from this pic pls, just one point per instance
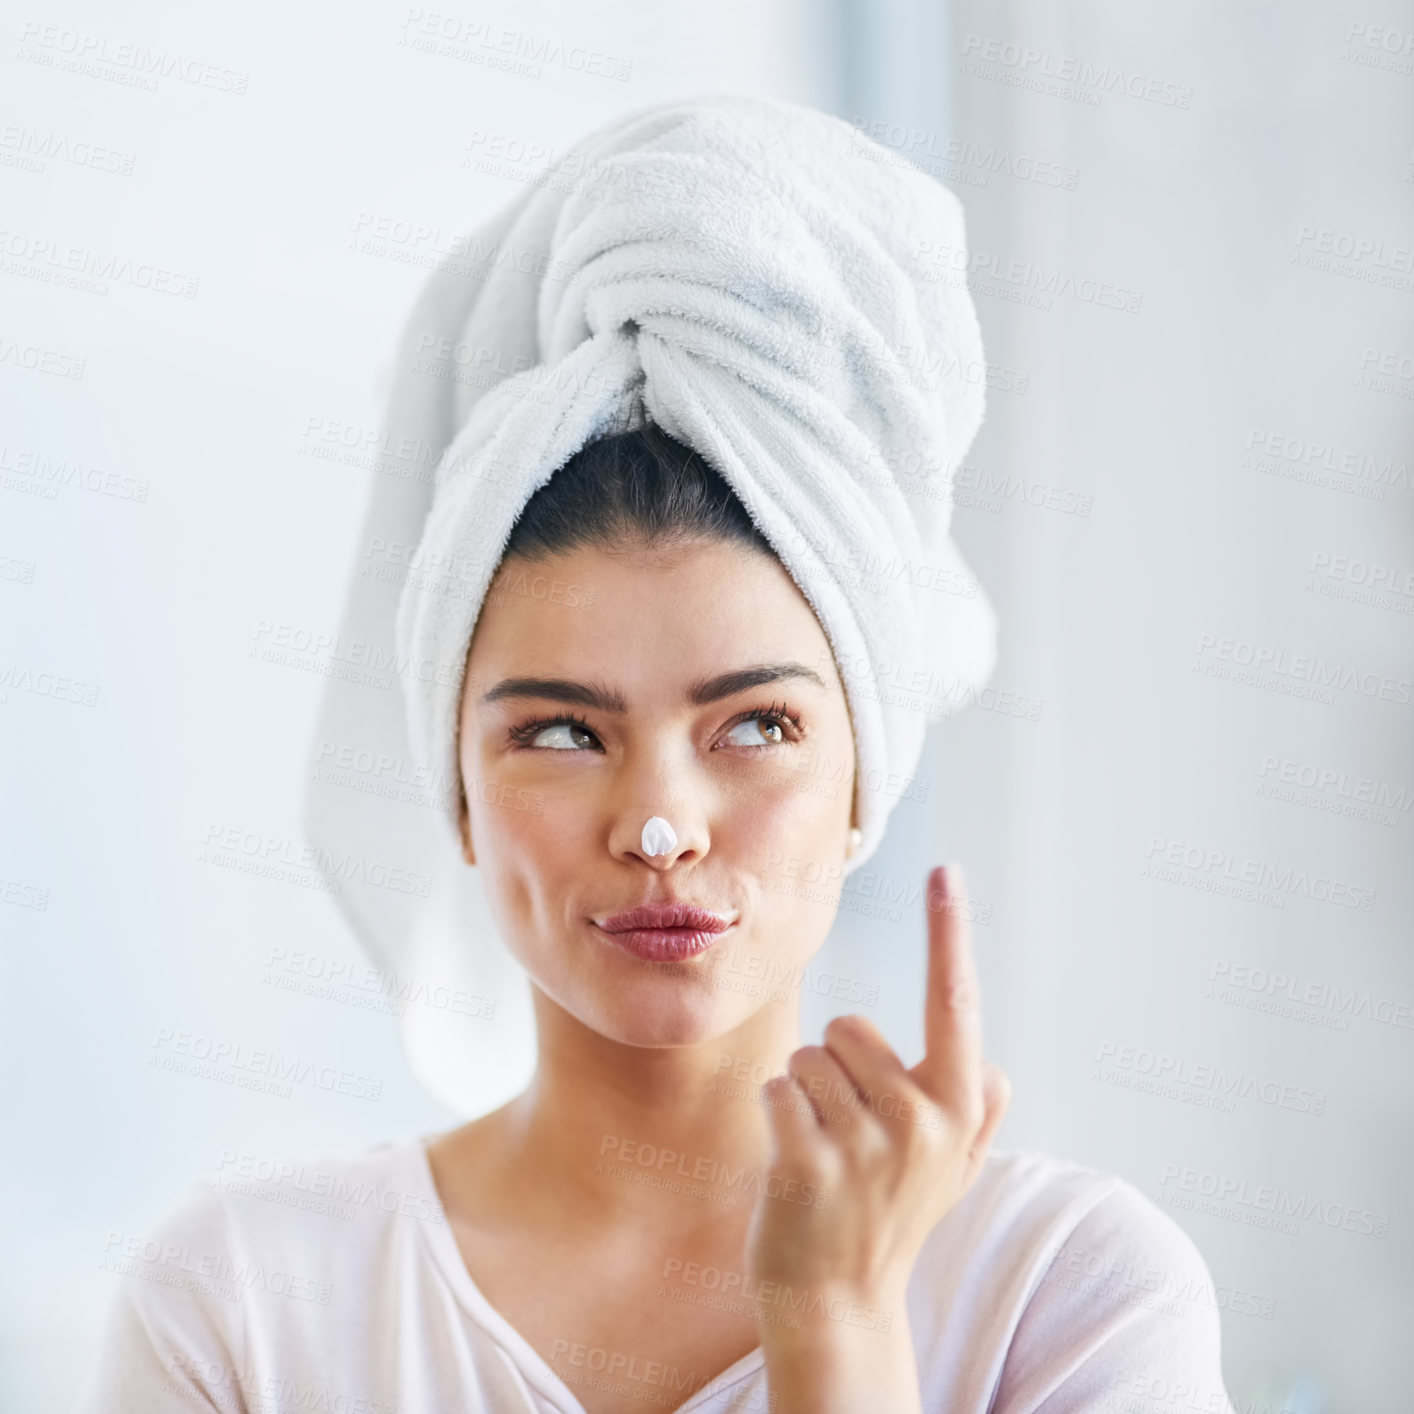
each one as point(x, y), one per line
point(668, 1141)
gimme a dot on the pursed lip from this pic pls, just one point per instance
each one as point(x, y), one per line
point(670, 915)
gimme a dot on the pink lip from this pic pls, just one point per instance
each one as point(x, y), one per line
point(666, 932)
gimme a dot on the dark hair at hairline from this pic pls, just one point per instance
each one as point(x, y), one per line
point(640, 484)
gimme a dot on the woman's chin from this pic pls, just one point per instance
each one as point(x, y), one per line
point(659, 1013)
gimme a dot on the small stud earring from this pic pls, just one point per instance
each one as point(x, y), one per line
point(856, 838)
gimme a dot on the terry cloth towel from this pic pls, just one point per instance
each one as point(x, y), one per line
point(752, 276)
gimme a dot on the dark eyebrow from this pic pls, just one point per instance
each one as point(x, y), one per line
point(699, 694)
point(727, 684)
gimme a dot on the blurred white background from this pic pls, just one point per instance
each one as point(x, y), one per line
point(1191, 252)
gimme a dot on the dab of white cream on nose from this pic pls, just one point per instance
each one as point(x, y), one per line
point(658, 837)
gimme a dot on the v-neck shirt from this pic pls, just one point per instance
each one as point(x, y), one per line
point(332, 1283)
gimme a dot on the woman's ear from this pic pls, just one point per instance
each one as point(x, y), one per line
point(464, 827)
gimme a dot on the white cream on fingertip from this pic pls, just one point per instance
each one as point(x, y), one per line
point(658, 837)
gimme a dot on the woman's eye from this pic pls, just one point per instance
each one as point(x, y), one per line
point(761, 731)
point(757, 732)
point(560, 736)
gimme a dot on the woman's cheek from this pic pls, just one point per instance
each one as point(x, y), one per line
point(798, 811)
point(512, 797)
point(528, 865)
point(790, 840)
point(513, 815)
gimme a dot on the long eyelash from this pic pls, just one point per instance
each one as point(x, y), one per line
point(779, 712)
point(526, 731)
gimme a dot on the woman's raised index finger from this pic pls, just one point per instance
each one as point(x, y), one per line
point(951, 1068)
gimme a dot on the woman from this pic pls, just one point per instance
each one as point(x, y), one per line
point(685, 1208)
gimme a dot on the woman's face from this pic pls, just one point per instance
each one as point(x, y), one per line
point(756, 780)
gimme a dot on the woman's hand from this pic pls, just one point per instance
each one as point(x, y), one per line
point(893, 1149)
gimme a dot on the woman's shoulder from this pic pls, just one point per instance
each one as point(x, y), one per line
point(1086, 1282)
point(256, 1253)
point(1031, 1193)
point(1041, 1217)
point(1079, 1219)
point(359, 1185)
point(252, 1214)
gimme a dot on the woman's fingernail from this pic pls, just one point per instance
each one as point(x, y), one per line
point(938, 888)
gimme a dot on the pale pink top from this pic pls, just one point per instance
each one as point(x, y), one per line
point(337, 1286)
